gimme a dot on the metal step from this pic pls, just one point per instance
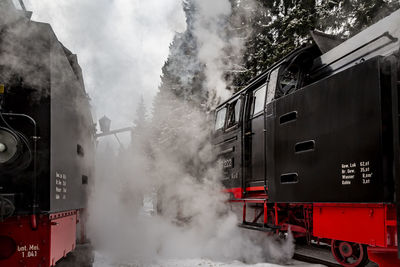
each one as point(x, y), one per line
point(258, 227)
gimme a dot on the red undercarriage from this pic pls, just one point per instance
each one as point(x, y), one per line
point(348, 228)
point(42, 240)
point(39, 240)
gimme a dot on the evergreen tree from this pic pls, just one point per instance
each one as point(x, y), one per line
point(139, 140)
point(280, 26)
point(348, 17)
point(140, 119)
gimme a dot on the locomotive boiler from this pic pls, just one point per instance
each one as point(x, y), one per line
point(312, 144)
point(46, 143)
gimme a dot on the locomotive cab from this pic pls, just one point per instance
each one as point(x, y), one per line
point(240, 123)
point(227, 138)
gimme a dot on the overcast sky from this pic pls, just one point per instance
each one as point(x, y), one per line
point(121, 46)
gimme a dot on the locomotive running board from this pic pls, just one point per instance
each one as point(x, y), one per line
point(258, 227)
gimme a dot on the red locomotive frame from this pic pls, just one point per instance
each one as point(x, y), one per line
point(39, 240)
point(351, 229)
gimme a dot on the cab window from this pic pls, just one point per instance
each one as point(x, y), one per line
point(259, 100)
point(288, 80)
point(233, 113)
point(220, 119)
point(272, 85)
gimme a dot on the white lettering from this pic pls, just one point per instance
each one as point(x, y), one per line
point(34, 247)
point(23, 248)
point(28, 251)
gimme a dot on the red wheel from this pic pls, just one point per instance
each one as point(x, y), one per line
point(349, 254)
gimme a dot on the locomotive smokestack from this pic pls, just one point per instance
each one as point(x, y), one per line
point(7, 12)
point(21, 2)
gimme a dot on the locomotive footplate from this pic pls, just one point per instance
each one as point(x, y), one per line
point(259, 227)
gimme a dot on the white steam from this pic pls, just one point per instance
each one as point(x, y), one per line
point(210, 31)
point(195, 221)
point(121, 46)
point(216, 46)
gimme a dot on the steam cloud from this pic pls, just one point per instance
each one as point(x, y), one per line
point(219, 49)
point(210, 31)
point(178, 171)
point(195, 221)
point(121, 47)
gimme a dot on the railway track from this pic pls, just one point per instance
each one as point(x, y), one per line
point(309, 259)
point(319, 255)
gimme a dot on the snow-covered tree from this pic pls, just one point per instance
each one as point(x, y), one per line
point(140, 117)
point(280, 26)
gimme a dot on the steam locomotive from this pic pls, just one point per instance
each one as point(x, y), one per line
point(312, 144)
point(46, 143)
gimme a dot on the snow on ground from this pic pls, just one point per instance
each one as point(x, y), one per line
point(149, 209)
point(101, 261)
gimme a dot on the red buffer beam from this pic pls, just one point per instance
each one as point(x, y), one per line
point(43, 243)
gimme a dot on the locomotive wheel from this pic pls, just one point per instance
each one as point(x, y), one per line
point(349, 254)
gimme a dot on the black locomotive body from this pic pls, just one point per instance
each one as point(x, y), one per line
point(316, 136)
point(340, 126)
point(46, 141)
